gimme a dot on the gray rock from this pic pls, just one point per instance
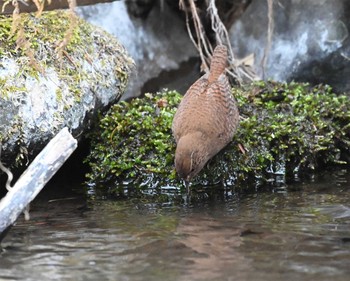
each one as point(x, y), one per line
point(158, 42)
point(310, 41)
point(34, 105)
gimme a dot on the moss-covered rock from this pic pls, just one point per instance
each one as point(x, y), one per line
point(285, 129)
point(45, 88)
point(134, 141)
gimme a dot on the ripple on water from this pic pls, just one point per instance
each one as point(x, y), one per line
point(302, 233)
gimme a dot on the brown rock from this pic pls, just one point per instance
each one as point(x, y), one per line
point(206, 118)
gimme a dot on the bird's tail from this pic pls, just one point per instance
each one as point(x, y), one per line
point(218, 63)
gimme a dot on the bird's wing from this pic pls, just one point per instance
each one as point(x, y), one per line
point(222, 104)
point(189, 108)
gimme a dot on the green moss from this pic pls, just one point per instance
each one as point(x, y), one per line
point(75, 71)
point(7, 89)
point(134, 141)
point(291, 128)
point(7, 42)
point(285, 129)
point(44, 35)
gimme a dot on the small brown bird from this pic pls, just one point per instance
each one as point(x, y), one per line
point(206, 118)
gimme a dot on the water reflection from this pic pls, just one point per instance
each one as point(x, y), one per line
point(301, 232)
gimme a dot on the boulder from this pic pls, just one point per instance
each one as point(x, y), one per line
point(305, 47)
point(286, 131)
point(156, 38)
point(43, 94)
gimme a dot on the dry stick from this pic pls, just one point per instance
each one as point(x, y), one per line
point(202, 40)
point(222, 37)
point(192, 39)
point(39, 172)
point(40, 6)
point(205, 63)
point(238, 70)
point(270, 28)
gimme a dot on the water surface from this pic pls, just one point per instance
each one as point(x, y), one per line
point(298, 232)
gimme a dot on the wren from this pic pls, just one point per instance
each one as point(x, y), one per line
point(206, 118)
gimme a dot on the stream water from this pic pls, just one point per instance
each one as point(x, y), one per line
point(297, 232)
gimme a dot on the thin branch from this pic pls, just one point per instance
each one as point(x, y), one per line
point(270, 29)
point(237, 69)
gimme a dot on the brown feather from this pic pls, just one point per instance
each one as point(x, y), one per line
point(206, 118)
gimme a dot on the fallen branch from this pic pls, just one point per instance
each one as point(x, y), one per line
point(29, 6)
point(39, 172)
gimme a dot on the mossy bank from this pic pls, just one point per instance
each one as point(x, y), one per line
point(45, 87)
point(285, 129)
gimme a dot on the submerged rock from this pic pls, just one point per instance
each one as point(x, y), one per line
point(40, 97)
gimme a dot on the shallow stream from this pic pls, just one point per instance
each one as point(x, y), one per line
point(298, 232)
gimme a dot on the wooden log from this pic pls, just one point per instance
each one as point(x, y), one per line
point(34, 178)
point(54, 5)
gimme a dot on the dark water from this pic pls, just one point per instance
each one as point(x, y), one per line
point(300, 232)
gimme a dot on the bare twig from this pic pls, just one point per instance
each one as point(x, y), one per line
point(39, 6)
point(34, 178)
point(202, 43)
point(237, 69)
point(270, 28)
